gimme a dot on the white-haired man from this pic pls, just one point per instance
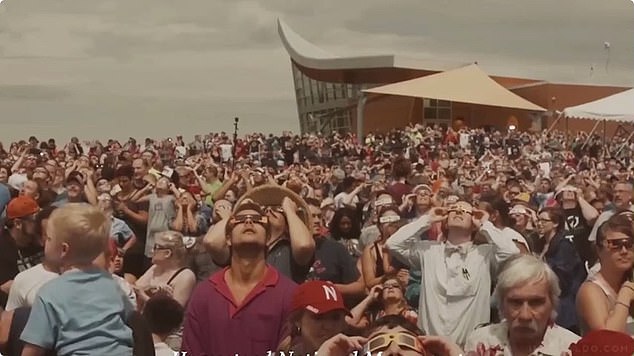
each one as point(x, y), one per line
point(527, 294)
point(456, 273)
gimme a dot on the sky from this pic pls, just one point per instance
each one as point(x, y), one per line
point(157, 68)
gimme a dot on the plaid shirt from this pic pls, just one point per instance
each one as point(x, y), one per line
point(25, 262)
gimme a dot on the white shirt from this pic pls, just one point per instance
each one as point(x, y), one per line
point(456, 280)
point(343, 196)
point(226, 151)
point(126, 288)
point(26, 285)
point(515, 236)
point(181, 151)
point(161, 349)
point(493, 340)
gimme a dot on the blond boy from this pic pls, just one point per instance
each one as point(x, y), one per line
point(83, 310)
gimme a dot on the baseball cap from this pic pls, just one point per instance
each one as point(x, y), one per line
point(339, 174)
point(21, 206)
point(75, 177)
point(326, 202)
point(519, 209)
point(16, 181)
point(421, 187)
point(318, 297)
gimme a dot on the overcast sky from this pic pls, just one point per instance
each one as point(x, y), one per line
point(115, 68)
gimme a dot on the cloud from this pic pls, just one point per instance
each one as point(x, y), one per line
point(117, 68)
point(31, 92)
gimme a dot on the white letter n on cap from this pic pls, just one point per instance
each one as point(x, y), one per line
point(330, 292)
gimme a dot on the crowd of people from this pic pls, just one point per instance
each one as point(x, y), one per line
point(419, 241)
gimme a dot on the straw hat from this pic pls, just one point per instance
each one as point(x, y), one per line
point(272, 195)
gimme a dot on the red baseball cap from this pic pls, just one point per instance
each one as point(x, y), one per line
point(21, 206)
point(603, 343)
point(319, 297)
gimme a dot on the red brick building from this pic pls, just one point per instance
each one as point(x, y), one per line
point(328, 88)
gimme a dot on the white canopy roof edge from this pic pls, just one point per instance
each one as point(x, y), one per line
point(617, 107)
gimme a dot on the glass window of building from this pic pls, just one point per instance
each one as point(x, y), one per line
point(436, 109)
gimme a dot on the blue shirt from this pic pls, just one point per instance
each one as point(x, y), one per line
point(5, 198)
point(81, 313)
point(120, 232)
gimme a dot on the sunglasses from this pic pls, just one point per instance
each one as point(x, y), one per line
point(254, 218)
point(402, 339)
point(158, 247)
point(617, 245)
point(389, 219)
point(459, 210)
point(391, 285)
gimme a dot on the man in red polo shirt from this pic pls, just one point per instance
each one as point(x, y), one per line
point(242, 308)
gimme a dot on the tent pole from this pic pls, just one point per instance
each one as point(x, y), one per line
point(624, 143)
point(566, 131)
point(604, 130)
point(360, 112)
point(590, 134)
point(561, 114)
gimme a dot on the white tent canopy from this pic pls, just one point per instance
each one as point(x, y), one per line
point(468, 84)
point(617, 107)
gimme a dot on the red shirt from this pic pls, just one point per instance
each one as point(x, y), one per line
point(216, 325)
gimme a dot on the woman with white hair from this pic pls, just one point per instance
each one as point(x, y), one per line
point(527, 293)
point(168, 273)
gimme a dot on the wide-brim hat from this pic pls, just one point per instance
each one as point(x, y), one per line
point(273, 195)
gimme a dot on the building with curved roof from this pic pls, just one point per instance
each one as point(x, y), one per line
point(329, 89)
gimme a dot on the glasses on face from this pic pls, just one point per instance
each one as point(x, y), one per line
point(544, 220)
point(402, 339)
point(618, 244)
point(158, 247)
point(394, 285)
point(254, 218)
point(389, 219)
point(460, 210)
